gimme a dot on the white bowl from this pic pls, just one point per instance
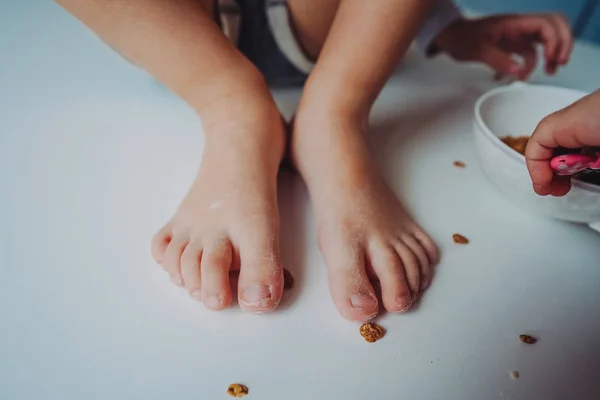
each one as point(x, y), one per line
point(515, 110)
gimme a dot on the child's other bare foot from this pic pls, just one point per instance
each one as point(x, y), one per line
point(363, 230)
point(229, 219)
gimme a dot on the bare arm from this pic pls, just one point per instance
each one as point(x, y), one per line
point(365, 43)
point(177, 42)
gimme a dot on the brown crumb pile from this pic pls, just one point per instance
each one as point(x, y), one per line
point(459, 164)
point(371, 332)
point(514, 374)
point(517, 143)
point(527, 339)
point(460, 239)
point(237, 390)
point(288, 279)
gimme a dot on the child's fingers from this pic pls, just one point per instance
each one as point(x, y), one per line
point(526, 49)
point(529, 58)
point(547, 32)
point(561, 185)
point(499, 60)
point(566, 35)
point(564, 43)
point(541, 176)
point(552, 40)
point(555, 59)
point(538, 153)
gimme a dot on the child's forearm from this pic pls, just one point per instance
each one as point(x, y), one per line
point(366, 41)
point(177, 42)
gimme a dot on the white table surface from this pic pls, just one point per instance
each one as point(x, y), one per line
point(94, 157)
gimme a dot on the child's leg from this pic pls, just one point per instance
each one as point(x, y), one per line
point(229, 218)
point(363, 229)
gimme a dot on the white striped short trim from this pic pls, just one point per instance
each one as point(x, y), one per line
point(281, 27)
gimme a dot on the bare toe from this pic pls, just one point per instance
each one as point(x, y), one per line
point(190, 269)
point(412, 268)
point(159, 244)
point(349, 285)
point(428, 245)
point(172, 259)
point(424, 264)
point(216, 263)
point(395, 290)
point(261, 276)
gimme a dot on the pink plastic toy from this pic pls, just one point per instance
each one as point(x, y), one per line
point(569, 164)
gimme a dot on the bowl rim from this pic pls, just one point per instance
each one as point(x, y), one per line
point(497, 142)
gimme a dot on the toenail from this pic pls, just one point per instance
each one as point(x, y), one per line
point(364, 302)
point(178, 280)
point(404, 303)
point(196, 295)
point(255, 295)
point(213, 301)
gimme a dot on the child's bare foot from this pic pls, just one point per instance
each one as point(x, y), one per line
point(229, 219)
point(364, 231)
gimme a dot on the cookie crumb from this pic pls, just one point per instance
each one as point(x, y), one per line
point(460, 239)
point(371, 332)
point(459, 164)
point(528, 339)
point(514, 374)
point(237, 390)
point(288, 279)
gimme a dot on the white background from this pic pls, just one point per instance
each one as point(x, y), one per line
point(95, 156)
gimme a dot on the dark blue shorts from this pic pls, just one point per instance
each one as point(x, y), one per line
point(263, 32)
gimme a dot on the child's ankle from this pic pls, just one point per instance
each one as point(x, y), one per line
point(244, 123)
point(318, 119)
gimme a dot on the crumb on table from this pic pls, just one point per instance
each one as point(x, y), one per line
point(237, 390)
point(460, 239)
point(527, 339)
point(371, 332)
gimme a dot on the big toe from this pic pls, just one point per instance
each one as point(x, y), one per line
point(261, 276)
point(350, 288)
